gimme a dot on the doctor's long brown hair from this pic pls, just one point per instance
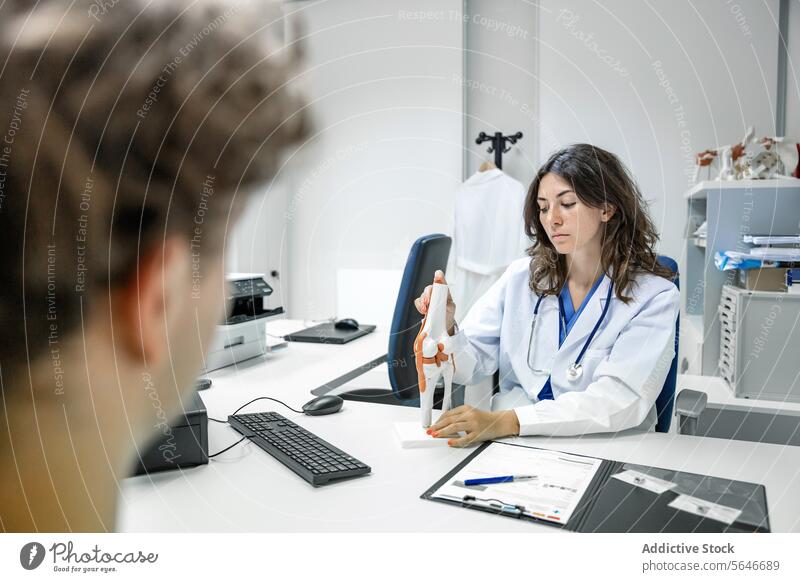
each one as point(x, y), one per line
point(629, 236)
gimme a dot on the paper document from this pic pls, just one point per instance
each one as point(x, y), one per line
point(561, 480)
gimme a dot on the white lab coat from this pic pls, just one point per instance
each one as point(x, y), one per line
point(623, 369)
point(488, 234)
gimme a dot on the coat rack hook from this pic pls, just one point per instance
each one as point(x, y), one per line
point(498, 144)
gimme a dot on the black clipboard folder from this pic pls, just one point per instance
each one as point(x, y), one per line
point(614, 506)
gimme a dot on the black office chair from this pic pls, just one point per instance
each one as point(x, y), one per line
point(666, 398)
point(428, 254)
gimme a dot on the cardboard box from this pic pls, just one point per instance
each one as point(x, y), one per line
point(764, 279)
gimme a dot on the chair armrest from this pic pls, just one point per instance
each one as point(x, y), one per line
point(345, 378)
point(689, 405)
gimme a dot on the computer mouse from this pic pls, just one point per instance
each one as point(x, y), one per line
point(346, 323)
point(327, 404)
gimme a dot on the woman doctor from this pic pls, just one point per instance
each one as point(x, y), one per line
point(582, 332)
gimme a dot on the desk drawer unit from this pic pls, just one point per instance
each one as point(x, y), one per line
point(760, 343)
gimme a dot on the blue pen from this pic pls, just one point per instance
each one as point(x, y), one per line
point(503, 479)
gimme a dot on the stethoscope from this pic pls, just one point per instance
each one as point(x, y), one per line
point(575, 369)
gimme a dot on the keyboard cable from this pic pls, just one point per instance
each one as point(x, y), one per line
point(237, 410)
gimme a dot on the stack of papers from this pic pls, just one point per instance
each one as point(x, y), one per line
point(771, 240)
point(776, 253)
point(766, 250)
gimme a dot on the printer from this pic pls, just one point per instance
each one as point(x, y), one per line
point(243, 335)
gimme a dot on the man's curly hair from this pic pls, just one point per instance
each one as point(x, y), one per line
point(123, 122)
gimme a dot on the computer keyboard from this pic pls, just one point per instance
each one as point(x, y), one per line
point(314, 459)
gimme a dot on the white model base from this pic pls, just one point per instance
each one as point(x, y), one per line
point(412, 436)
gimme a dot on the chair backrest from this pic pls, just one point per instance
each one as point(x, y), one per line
point(666, 399)
point(428, 254)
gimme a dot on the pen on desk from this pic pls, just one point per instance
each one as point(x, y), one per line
point(503, 479)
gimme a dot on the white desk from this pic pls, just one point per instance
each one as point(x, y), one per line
point(247, 490)
point(747, 419)
point(720, 394)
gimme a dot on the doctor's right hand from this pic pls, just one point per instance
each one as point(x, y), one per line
point(424, 300)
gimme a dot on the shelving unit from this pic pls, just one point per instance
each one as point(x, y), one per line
point(732, 209)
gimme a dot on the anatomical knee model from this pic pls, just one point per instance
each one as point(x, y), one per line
point(433, 355)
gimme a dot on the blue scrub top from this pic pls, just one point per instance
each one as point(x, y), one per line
point(567, 319)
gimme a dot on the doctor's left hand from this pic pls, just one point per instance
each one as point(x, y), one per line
point(480, 425)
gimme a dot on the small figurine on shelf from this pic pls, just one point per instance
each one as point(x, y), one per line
point(732, 157)
point(433, 356)
point(750, 159)
point(726, 172)
point(789, 153)
point(739, 155)
point(765, 162)
point(704, 160)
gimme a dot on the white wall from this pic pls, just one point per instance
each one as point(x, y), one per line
point(259, 242)
point(395, 140)
point(501, 82)
point(716, 76)
point(386, 160)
